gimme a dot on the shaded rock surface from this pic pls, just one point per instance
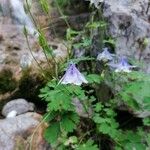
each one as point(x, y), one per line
point(129, 24)
point(15, 133)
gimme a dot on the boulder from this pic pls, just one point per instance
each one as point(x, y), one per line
point(21, 106)
point(21, 132)
point(129, 24)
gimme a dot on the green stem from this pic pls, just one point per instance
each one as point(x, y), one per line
point(42, 47)
point(82, 137)
point(28, 9)
point(61, 13)
point(33, 56)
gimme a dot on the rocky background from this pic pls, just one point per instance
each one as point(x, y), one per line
point(128, 23)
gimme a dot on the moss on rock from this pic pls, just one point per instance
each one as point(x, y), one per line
point(7, 82)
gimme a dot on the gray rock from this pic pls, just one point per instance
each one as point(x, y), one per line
point(129, 25)
point(20, 127)
point(19, 105)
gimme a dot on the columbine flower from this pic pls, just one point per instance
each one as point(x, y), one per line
point(122, 66)
point(105, 55)
point(73, 76)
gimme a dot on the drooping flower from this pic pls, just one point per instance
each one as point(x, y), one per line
point(122, 65)
point(105, 55)
point(73, 76)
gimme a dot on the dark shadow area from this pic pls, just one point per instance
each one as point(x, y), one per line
point(128, 120)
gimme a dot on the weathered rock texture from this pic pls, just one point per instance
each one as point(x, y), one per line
point(17, 64)
point(12, 48)
point(129, 24)
point(15, 133)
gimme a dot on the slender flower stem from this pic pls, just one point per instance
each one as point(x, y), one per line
point(82, 137)
point(61, 13)
point(36, 25)
point(35, 58)
point(28, 9)
point(49, 17)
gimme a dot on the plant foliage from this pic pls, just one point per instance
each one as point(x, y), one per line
point(86, 117)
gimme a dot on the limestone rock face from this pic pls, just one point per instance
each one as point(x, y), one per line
point(129, 24)
point(17, 61)
point(15, 133)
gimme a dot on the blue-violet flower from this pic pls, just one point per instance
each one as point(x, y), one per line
point(73, 76)
point(105, 56)
point(122, 65)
